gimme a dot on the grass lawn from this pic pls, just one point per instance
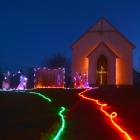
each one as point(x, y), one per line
point(27, 117)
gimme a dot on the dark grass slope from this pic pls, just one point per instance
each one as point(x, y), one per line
point(25, 117)
point(83, 119)
point(62, 97)
point(28, 117)
point(126, 102)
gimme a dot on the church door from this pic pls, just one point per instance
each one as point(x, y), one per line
point(101, 71)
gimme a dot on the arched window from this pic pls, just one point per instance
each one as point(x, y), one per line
point(101, 71)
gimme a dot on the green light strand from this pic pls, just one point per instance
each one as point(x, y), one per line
point(41, 95)
point(35, 93)
point(57, 137)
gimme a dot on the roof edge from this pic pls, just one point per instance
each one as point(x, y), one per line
point(116, 30)
point(105, 46)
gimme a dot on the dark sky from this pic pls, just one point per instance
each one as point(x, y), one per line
point(31, 30)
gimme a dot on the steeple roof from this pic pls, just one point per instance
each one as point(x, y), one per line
point(103, 25)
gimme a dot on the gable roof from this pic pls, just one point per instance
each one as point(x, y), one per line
point(103, 25)
point(106, 46)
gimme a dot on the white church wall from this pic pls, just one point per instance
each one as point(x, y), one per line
point(115, 41)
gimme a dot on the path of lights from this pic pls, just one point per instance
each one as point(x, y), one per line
point(57, 137)
point(111, 116)
point(60, 131)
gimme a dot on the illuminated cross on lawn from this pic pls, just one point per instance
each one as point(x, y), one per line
point(101, 72)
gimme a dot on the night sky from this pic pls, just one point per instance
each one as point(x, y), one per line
point(32, 30)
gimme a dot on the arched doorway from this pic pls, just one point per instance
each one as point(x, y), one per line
point(102, 70)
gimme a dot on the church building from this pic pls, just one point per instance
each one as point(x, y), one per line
point(104, 54)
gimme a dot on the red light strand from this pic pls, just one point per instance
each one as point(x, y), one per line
point(111, 116)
